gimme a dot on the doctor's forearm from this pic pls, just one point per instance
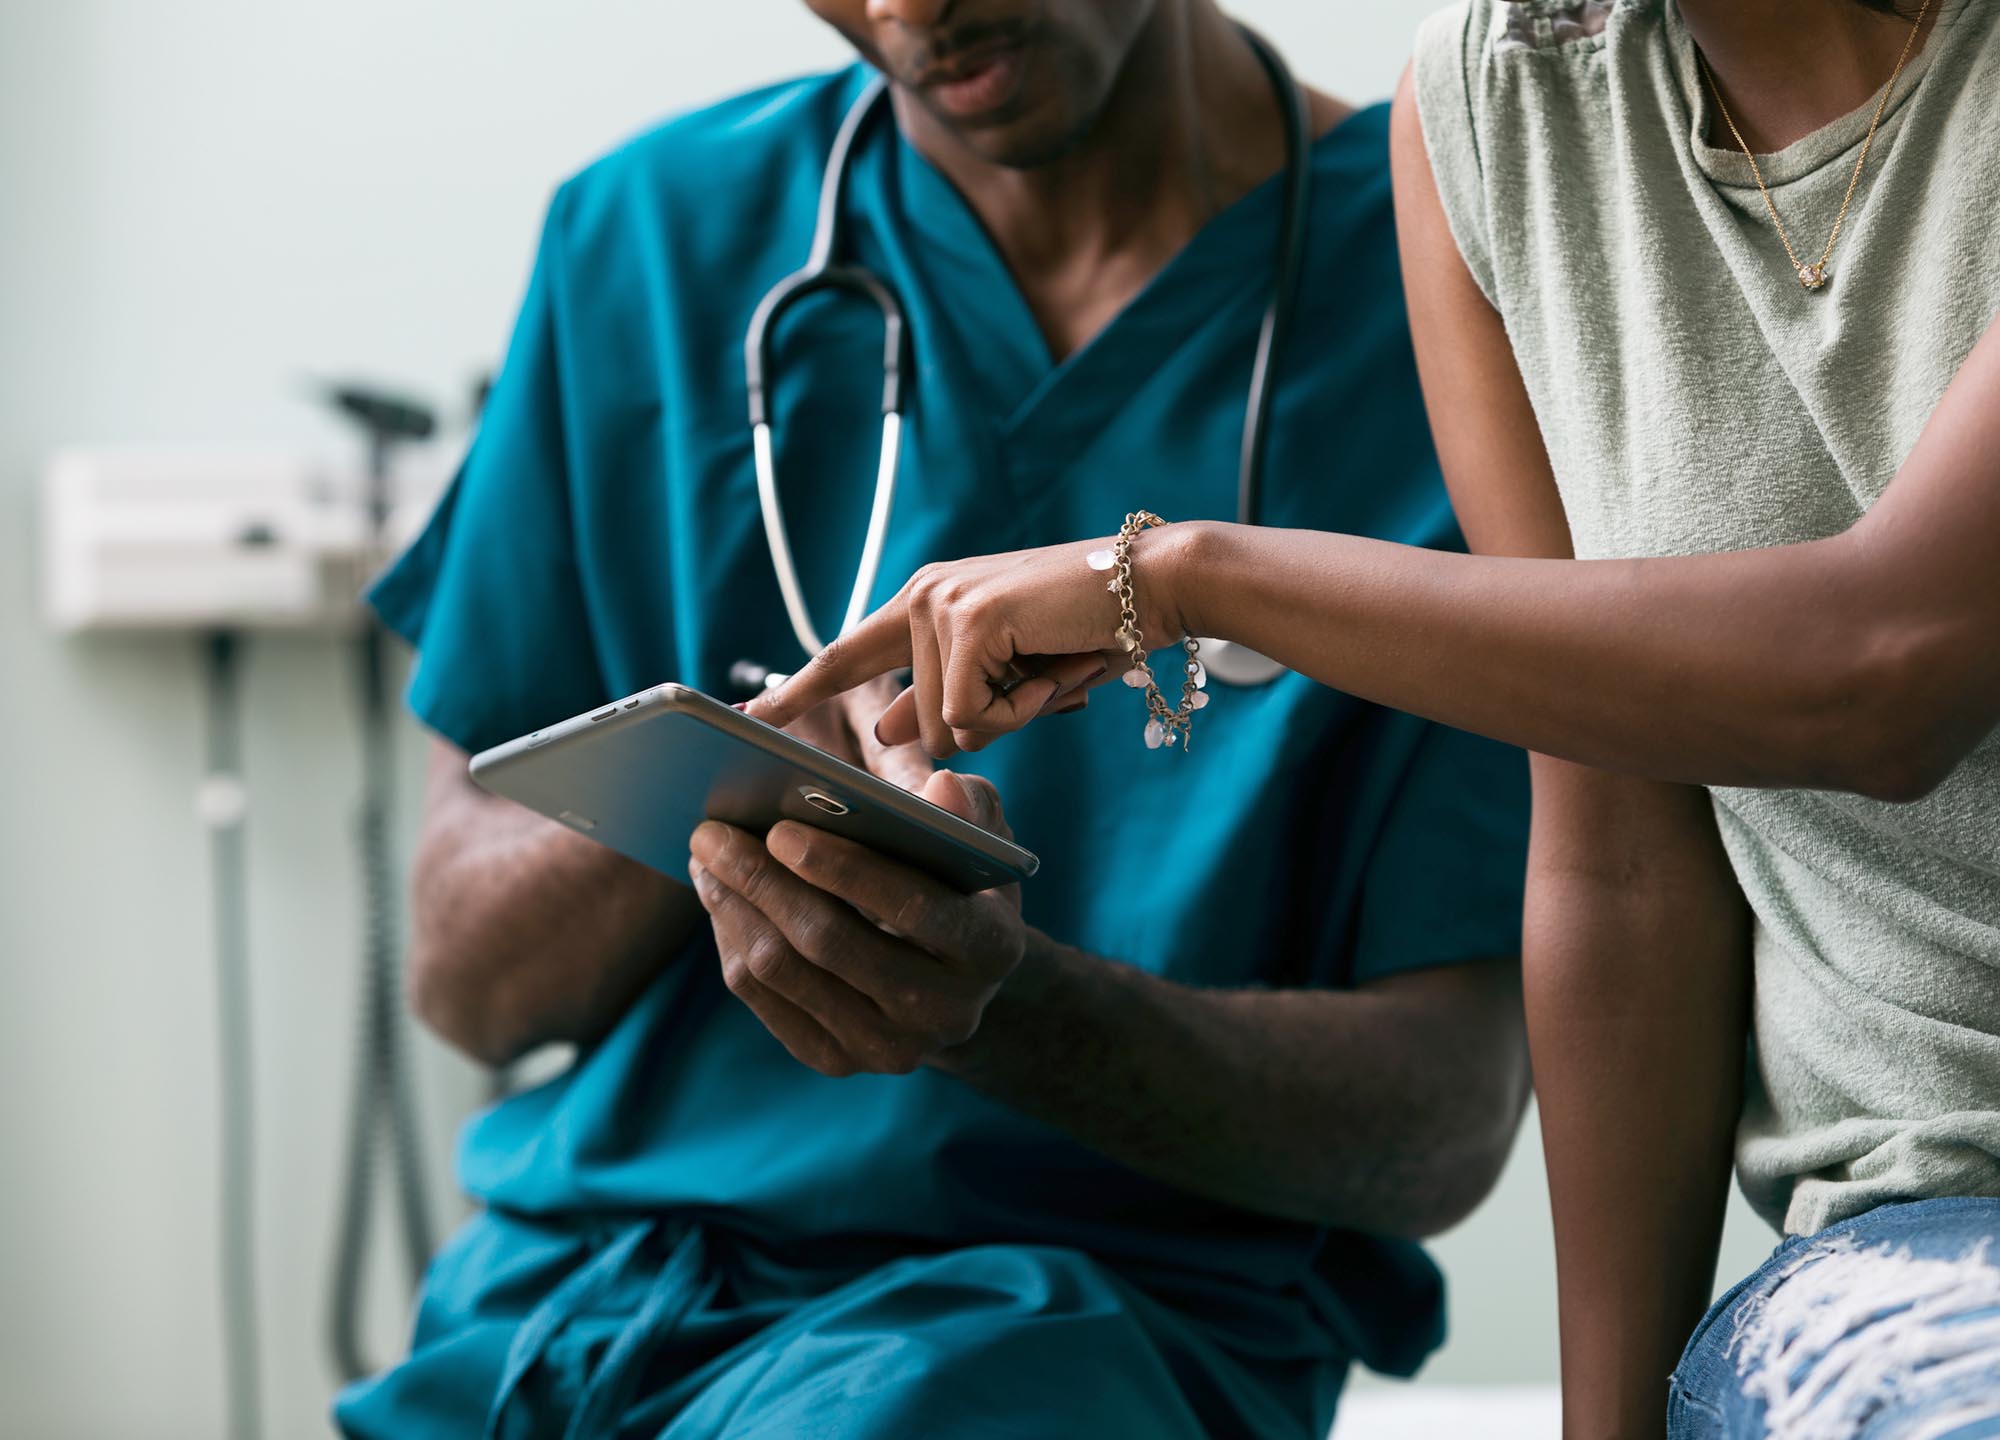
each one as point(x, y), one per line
point(530, 941)
point(1389, 1110)
point(523, 933)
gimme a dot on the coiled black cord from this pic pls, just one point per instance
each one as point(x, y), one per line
point(384, 1091)
point(384, 1087)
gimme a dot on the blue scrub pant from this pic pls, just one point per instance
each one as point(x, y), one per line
point(1883, 1327)
point(668, 1331)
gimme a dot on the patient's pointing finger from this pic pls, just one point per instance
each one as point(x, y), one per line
point(876, 646)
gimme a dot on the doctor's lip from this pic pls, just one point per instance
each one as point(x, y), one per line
point(980, 82)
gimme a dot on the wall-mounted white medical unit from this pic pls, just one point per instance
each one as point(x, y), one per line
point(150, 539)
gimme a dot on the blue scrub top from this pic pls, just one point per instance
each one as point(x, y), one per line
point(604, 536)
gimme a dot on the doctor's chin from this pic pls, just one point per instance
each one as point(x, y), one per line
point(821, 720)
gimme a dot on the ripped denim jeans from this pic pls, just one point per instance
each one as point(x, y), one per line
point(1884, 1327)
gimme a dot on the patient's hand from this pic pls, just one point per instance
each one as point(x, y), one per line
point(856, 962)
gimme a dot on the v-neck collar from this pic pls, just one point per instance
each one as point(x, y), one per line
point(1045, 410)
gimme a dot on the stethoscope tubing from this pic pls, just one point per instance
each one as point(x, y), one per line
point(820, 273)
point(1230, 663)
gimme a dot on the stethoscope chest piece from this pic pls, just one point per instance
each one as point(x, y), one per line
point(1238, 665)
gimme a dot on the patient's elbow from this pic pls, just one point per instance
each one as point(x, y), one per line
point(1897, 721)
point(1901, 775)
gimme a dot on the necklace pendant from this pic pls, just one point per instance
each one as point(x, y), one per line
point(1813, 277)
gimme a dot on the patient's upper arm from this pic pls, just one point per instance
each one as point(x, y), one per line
point(1488, 441)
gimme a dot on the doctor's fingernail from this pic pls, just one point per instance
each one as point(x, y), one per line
point(711, 847)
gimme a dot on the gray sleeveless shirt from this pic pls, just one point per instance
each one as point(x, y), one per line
point(1694, 397)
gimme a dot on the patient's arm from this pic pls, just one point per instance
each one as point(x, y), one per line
point(1636, 959)
point(1636, 971)
point(524, 932)
point(1862, 662)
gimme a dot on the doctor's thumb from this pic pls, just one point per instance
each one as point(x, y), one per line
point(970, 797)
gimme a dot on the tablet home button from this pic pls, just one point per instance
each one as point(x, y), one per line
point(820, 800)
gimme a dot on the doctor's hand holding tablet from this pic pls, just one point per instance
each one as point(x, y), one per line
point(866, 906)
point(855, 961)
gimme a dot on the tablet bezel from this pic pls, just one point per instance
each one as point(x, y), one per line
point(950, 849)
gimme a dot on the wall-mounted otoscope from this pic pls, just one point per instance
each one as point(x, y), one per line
point(224, 545)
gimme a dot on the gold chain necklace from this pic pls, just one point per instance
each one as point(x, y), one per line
point(1814, 276)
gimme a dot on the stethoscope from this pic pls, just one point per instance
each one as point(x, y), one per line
point(1224, 660)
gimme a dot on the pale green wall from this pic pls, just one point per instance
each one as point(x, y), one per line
point(201, 201)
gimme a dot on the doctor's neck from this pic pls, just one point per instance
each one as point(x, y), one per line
point(1092, 138)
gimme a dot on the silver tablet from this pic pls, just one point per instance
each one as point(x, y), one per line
point(641, 773)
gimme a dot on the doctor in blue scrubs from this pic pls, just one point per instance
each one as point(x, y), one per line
point(1141, 1148)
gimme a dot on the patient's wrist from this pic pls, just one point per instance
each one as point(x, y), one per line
point(1180, 566)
